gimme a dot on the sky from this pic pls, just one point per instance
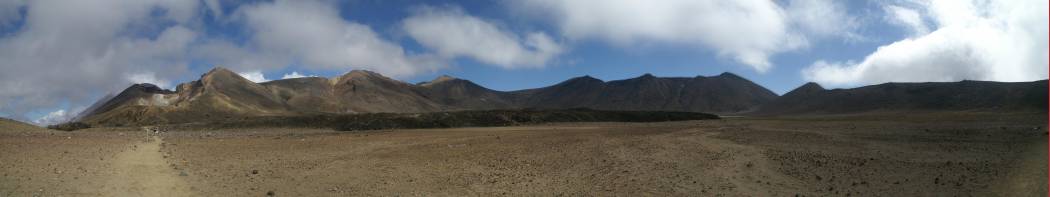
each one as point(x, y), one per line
point(59, 57)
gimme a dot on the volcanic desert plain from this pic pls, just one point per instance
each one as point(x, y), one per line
point(950, 154)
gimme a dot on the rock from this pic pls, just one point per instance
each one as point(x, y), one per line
point(255, 171)
point(270, 193)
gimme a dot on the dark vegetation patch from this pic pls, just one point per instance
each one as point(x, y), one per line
point(69, 126)
point(483, 118)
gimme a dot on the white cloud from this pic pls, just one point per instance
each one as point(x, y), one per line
point(57, 117)
point(54, 117)
point(215, 7)
point(149, 77)
point(68, 51)
point(748, 31)
point(295, 74)
point(823, 18)
point(254, 76)
point(314, 34)
point(999, 41)
point(908, 18)
point(453, 33)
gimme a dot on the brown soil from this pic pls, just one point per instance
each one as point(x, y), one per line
point(915, 155)
point(144, 171)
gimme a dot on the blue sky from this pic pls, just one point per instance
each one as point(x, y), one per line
point(587, 57)
point(65, 55)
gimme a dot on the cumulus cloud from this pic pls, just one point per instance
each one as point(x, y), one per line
point(254, 76)
point(150, 78)
point(295, 74)
point(56, 117)
point(822, 18)
point(71, 50)
point(998, 40)
point(452, 33)
point(314, 34)
point(907, 18)
point(748, 31)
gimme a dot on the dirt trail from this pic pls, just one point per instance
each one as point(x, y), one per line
point(142, 171)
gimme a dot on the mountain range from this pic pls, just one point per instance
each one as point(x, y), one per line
point(811, 98)
point(222, 94)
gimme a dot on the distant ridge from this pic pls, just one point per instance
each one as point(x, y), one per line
point(929, 96)
point(222, 94)
point(726, 93)
point(8, 125)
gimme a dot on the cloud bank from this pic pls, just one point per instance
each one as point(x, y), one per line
point(747, 31)
point(254, 76)
point(54, 117)
point(315, 34)
point(452, 33)
point(66, 51)
point(295, 74)
point(976, 40)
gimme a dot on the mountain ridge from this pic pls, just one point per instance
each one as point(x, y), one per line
point(223, 94)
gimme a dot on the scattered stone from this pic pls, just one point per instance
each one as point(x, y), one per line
point(270, 193)
point(255, 171)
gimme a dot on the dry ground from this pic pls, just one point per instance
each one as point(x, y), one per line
point(871, 155)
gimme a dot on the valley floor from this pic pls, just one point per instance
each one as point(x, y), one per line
point(883, 155)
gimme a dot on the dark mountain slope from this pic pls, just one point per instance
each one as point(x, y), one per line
point(725, 93)
point(575, 92)
point(365, 91)
point(931, 96)
point(460, 94)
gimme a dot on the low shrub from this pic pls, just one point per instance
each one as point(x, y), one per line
point(69, 126)
point(480, 118)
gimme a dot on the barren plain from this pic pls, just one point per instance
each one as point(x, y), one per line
point(894, 154)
